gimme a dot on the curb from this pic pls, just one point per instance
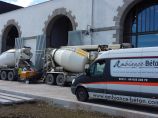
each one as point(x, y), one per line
point(112, 111)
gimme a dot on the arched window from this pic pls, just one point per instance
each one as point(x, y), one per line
point(57, 31)
point(9, 36)
point(141, 25)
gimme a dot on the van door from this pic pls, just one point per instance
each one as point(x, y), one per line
point(97, 77)
point(123, 83)
point(149, 77)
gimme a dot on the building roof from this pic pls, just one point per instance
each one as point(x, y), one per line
point(6, 7)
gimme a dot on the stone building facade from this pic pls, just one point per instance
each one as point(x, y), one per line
point(95, 21)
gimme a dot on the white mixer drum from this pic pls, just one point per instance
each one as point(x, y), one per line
point(71, 60)
point(8, 58)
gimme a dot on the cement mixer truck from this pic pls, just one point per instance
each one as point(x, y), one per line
point(64, 64)
point(11, 60)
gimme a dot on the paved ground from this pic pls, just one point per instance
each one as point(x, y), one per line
point(63, 97)
point(38, 90)
point(12, 99)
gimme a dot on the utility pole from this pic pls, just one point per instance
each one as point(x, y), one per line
point(92, 21)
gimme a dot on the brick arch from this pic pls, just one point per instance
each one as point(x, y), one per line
point(120, 18)
point(10, 24)
point(14, 23)
point(57, 12)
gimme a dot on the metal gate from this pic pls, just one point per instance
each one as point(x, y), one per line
point(37, 44)
point(40, 48)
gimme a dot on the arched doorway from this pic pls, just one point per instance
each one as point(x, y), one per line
point(140, 26)
point(8, 38)
point(57, 31)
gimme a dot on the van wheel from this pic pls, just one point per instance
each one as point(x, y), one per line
point(4, 75)
point(11, 76)
point(60, 80)
point(82, 94)
point(50, 79)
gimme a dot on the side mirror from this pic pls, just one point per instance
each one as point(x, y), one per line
point(87, 71)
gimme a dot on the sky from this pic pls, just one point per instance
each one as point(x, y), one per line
point(24, 3)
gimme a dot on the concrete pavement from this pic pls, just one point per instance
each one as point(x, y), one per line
point(62, 97)
point(6, 98)
point(38, 90)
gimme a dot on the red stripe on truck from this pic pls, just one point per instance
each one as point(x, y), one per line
point(126, 83)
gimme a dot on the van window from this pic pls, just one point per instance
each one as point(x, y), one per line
point(97, 68)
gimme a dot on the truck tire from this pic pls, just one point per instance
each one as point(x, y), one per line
point(4, 75)
point(50, 79)
point(60, 80)
point(10, 76)
point(82, 94)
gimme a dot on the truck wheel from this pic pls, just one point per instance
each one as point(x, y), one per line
point(50, 79)
point(60, 80)
point(82, 94)
point(11, 76)
point(4, 75)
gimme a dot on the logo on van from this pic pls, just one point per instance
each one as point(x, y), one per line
point(135, 63)
point(131, 64)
